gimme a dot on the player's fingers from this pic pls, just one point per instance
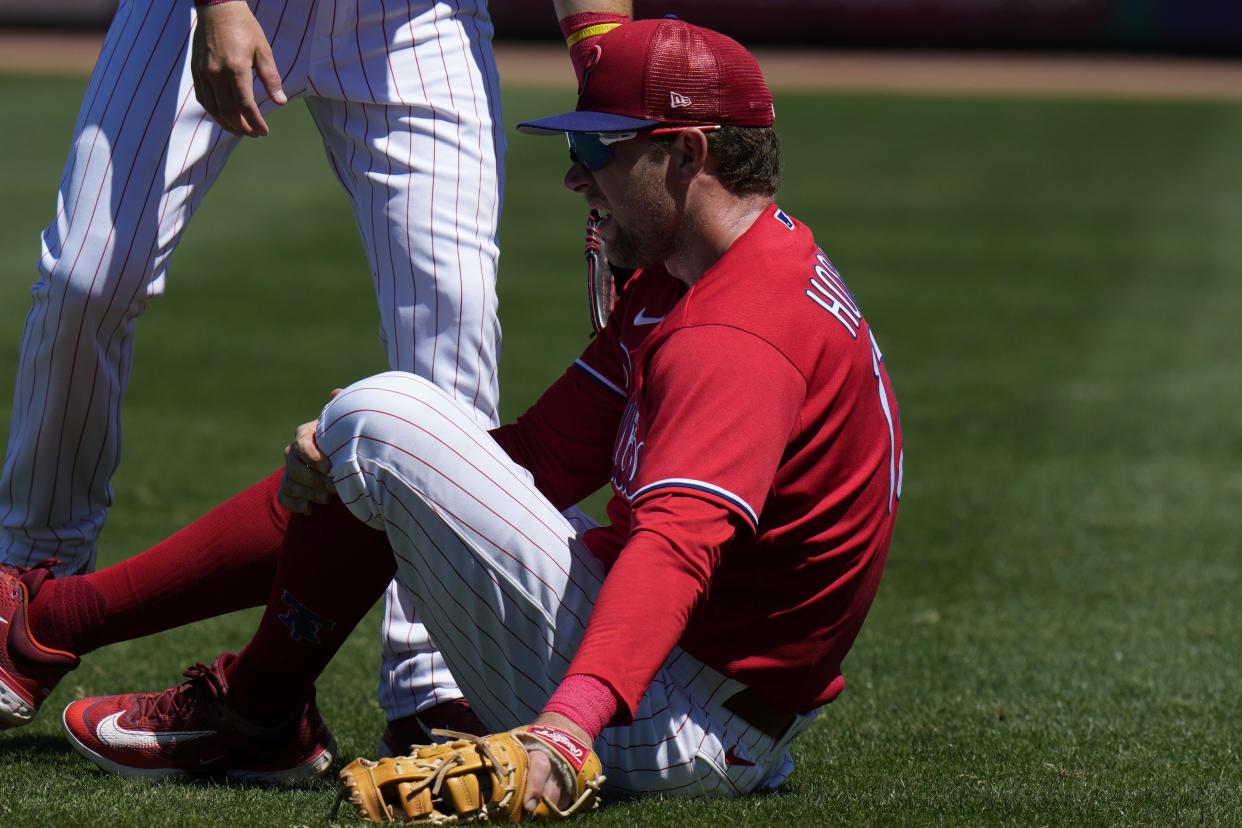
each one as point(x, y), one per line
point(302, 486)
point(538, 773)
point(196, 65)
point(299, 471)
point(247, 110)
point(206, 96)
point(269, 75)
point(295, 504)
point(224, 106)
point(308, 447)
point(295, 490)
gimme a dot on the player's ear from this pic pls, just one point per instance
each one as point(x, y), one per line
point(690, 154)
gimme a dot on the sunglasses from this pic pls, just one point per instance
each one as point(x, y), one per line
point(593, 150)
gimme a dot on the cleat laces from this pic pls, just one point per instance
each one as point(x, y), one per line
point(204, 684)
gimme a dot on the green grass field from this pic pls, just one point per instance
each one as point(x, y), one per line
point(1055, 286)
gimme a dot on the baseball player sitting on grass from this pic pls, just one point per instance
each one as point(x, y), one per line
point(738, 404)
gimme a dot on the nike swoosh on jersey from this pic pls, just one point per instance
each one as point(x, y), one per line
point(732, 759)
point(111, 733)
point(641, 318)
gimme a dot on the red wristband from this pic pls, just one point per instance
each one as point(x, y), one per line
point(584, 700)
point(581, 31)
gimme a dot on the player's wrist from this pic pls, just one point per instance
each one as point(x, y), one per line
point(201, 3)
point(584, 701)
point(581, 32)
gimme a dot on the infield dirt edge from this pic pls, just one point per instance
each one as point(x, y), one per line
point(930, 73)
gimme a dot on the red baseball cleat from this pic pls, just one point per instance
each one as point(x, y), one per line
point(192, 731)
point(28, 670)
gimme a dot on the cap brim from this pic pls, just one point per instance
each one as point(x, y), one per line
point(584, 122)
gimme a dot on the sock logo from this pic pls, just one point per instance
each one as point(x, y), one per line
point(304, 623)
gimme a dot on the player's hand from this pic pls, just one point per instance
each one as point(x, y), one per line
point(229, 48)
point(308, 478)
point(540, 782)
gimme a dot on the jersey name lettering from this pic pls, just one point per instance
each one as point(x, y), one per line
point(828, 290)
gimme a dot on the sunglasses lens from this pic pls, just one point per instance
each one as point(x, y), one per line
point(589, 151)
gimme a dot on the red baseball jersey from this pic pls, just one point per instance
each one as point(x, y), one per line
point(751, 436)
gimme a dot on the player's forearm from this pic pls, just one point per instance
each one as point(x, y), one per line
point(564, 8)
point(650, 593)
point(639, 616)
point(584, 22)
point(586, 701)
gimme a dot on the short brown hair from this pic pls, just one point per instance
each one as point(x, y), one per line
point(748, 159)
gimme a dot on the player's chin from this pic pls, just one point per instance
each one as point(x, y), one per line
point(627, 251)
point(621, 246)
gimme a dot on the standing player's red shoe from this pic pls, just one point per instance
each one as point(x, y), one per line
point(28, 670)
point(193, 731)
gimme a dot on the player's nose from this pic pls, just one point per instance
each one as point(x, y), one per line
point(577, 178)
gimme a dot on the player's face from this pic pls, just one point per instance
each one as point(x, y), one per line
point(642, 217)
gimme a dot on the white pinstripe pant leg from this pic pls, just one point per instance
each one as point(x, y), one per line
point(434, 272)
point(406, 97)
point(501, 571)
point(506, 587)
point(142, 158)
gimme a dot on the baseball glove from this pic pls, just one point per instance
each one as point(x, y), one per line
point(601, 287)
point(471, 779)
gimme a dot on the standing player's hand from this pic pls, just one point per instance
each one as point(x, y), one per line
point(229, 49)
point(308, 474)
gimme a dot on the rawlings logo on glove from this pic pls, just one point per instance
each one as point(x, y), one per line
point(472, 778)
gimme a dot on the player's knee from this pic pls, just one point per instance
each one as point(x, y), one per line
point(92, 290)
point(383, 404)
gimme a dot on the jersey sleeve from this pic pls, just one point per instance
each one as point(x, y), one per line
point(650, 593)
point(718, 408)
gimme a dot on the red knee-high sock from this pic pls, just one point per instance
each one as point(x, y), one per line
point(222, 562)
point(332, 569)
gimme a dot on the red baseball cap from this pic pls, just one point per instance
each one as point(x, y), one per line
point(664, 72)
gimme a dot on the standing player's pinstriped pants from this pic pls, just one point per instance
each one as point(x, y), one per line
point(506, 587)
point(406, 97)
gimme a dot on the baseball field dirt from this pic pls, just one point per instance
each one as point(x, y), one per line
point(938, 73)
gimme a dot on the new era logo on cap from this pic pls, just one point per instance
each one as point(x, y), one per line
point(676, 101)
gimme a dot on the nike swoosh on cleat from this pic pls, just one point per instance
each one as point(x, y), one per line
point(112, 734)
point(641, 318)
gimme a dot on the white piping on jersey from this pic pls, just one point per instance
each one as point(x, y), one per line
point(601, 379)
point(687, 483)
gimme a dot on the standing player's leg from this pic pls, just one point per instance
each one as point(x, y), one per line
point(143, 156)
point(506, 587)
point(420, 152)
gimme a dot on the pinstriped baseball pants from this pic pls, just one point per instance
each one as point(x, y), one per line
point(405, 95)
point(506, 587)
